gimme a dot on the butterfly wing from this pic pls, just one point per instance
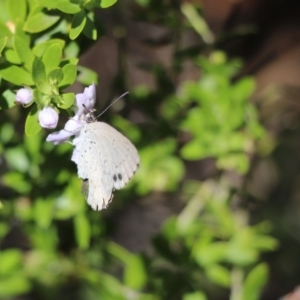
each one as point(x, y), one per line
point(107, 159)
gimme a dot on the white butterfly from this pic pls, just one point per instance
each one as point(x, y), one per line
point(106, 161)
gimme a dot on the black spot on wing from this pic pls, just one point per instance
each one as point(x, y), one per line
point(120, 176)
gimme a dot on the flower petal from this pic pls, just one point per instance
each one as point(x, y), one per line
point(59, 137)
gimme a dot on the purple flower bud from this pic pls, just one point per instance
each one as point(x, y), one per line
point(48, 117)
point(24, 96)
point(85, 101)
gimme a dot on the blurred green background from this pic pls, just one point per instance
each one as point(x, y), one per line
point(213, 212)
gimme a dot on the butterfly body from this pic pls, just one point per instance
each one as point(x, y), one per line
point(107, 159)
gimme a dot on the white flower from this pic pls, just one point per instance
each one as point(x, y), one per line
point(85, 101)
point(48, 117)
point(72, 127)
point(24, 96)
point(84, 105)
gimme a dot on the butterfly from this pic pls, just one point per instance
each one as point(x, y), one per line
point(107, 160)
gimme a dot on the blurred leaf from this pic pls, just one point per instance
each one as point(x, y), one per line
point(8, 100)
point(218, 274)
point(4, 227)
point(197, 22)
point(17, 159)
point(17, 10)
point(44, 87)
point(70, 72)
point(78, 23)
point(67, 100)
point(32, 126)
point(14, 285)
point(195, 296)
point(255, 281)
point(56, 76)
point(10, 261)
point(82, 231)
point(15, 75)
point(52, 57)
point(209, 254)
point(131, 131)
point(38, 70)
point(87, 76)
point(23, 51)
point(135, 273)
point(40, 48)
point(166, 168)
point(89, 29)
point(3, 42)
point(17, 182)
point(12, 56)
point(48, 3)
point(4, 31)
point(68, 7)
point(43, 212)
point(39, 22)
point(107, 3)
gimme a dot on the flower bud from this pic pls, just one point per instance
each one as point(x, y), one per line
point(48, 117)
point(24, 96)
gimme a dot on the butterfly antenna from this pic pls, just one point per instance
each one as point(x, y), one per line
point(112, 104)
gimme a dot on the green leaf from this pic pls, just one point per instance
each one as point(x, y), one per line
point(68, 100)
point(210, 254)
point(82, 230)
point(68, 7)
point(4, 31)
point(15, 75)
point(17, 10)
point(12, 56)
point(70, 73)
point(89, 4)
point(107, 3)
point(43, 212)
point(23, 51)
point(14, 286)
point(195, 296)
point(32, 126)
point(3, 42)
point(243, 89)
point(17, 182)
point(135, 275)
point(40, 48)
point(39, 22)
point(52, 57)
point(38, 70)
point(193, 150)
point(78, 23)
point(90, 30)
point(48, 3)
point(255, 281)
point(87, 76)
point(44, 87)
point(17, 159)
point(218, 274)
point(11, 260)
point(56, 76)
point(8, 99)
